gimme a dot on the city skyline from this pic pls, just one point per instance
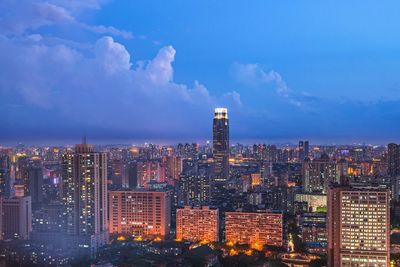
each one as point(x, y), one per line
point(321, 206)
point(199, 133)
point(283, 76)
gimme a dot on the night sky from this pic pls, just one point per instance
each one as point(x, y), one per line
point(134, 71)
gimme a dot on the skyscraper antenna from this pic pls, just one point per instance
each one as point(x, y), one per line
point(84, 139)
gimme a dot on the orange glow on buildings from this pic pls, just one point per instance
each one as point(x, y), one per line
point(254, 228)
point(121, 238)
point(197, 224)
point(140, 213)
point(255, 179)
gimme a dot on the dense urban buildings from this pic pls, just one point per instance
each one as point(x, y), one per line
point(331, 205)
point(222, 133)
point(254, 228)
point(358, 227)
point(141, 213)
point(197, 224)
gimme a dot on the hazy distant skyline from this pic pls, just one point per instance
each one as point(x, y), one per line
point(327, 72)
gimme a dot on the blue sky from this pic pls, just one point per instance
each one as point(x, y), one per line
point(127, 71)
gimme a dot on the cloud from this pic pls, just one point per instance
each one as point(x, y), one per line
point(101, 29)
point(49, 83)
point(18, 17)
point(100, 87)
point(235, 98)
point(112, 56)
point(253, 75)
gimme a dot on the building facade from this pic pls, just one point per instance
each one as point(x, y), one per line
point(318, 174)
point(197, 224)
point(84, 195)
point(264, 228)
point(358, 227)
point(140, 213)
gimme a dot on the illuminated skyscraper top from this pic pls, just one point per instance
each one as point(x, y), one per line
point(221, 144)
point(221, 113)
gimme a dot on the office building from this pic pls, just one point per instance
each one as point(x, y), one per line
point(254, 228)
point(358, 227)
point(16, 218)
point(140, 213)
point(197, 224)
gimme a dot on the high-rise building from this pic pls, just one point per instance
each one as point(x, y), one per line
point(84, 194)
point(221, 145)
point(318, 174)
point(16, 218)
point(140, 213)
point(255, 228)
point(131, 177)
point(197, 224)
point(5, 179)
point(393, 160)
point(304, 149)
point(35, 185)
point(358, 227)
point(173, 167)
point(149, 171)
point(194, 189)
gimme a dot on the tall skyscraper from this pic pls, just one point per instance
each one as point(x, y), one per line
point(358, 227)
point(140, 213)
point(197, 224)
point(84, 195)
point(35, 185)
point(221, 145)
point(393, 160)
